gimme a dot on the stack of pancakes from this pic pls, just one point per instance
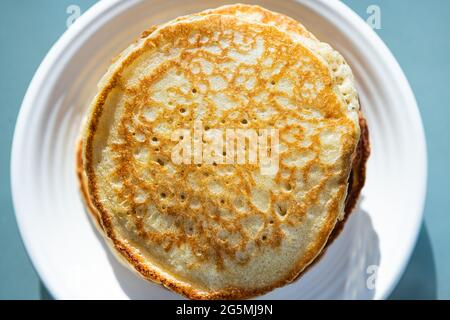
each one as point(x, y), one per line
point(221, 230)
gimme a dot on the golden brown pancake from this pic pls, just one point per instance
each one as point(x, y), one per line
point(287, 24)
point(203, 230)
point(355, 184)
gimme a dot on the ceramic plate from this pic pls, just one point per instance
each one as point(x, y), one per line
point(365, 262)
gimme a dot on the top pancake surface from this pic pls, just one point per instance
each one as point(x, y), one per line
point(218, 230)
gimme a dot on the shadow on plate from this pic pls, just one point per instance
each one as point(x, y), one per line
point(359, 254)
point(348, 268)
point(352, 280)
point(362, 257)
point(419, 280)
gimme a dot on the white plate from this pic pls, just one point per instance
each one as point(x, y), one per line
point(68, 254)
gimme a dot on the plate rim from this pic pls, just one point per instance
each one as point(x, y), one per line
point(99, 8)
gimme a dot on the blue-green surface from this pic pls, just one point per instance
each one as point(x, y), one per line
point(417, 32)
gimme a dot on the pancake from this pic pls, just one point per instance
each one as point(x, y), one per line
point(336, 62)
point(255, 14)
point(219, 230)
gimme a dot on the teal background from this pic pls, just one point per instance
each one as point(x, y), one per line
point(416, 31)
